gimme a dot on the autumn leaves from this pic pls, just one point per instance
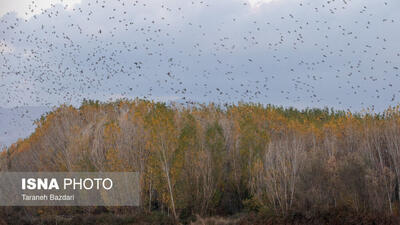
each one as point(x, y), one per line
point(218, 160)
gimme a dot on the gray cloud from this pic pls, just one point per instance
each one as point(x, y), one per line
point(340, 54)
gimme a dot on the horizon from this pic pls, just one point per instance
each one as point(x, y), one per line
point(34, 113)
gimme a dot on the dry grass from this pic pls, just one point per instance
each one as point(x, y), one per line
point(214, 221)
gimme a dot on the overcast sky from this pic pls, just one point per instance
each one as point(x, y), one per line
point(338, 53)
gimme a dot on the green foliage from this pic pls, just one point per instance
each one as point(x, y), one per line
point(213, 159)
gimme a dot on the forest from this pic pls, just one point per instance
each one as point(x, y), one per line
point(238, 163)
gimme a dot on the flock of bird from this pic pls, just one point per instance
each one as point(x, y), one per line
point(336, 53)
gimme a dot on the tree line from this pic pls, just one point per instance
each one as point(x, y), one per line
point(218, 160)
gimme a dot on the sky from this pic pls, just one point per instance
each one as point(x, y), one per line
point(343, 54)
